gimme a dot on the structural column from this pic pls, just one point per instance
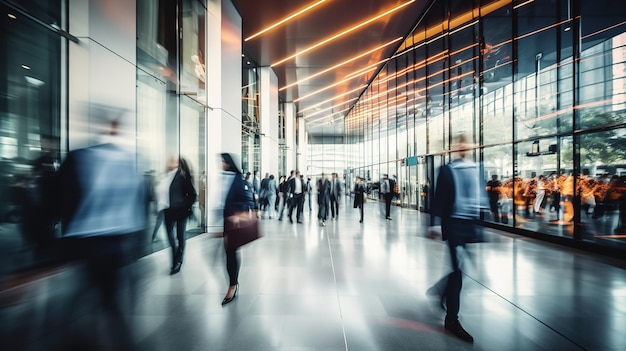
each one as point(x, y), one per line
point(302, 147)
point(290, 136)
point(223, 71)
point(269, 121)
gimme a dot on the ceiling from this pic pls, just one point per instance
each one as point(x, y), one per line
point(324, 82)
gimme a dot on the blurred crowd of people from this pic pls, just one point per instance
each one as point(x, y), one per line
point(553, 197)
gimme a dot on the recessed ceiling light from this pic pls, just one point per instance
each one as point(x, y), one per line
point(12, 16)
point(25, 67)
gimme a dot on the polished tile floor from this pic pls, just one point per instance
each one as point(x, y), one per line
point(351, 286)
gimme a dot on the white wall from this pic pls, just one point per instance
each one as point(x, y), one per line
point(101, 67)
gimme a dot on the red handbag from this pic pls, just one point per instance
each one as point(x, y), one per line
point(241, 229)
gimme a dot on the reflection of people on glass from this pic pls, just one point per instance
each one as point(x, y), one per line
point(161, 195)
point(617, 193)
point(458, 203)
point(38, 221)
point(540, 193)
point(237, 198)
point(493, 191)
point(181, 196)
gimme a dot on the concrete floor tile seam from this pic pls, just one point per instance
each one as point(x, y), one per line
point(332, 264)
point(528, 313)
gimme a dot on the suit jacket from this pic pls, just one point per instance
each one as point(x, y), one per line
point(359, 195)
point(182, 192)
point(239, 197)
point(458, 201)
point(101, 193)
point(392, 187)
point(291, 185)
point(336, 188)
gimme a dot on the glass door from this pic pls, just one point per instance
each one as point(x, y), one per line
point(193, 149)
point(403, 184)
point(429, 172)
point(413, 187)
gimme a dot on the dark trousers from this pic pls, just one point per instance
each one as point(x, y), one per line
point(388, 198)
point(449, 287)
point(178, 218)
point(493, 204)
point(360, 206)
point(453, 290)
point(159, 221)
point(104, 258)
point(323, 205)
point(334, 205)
point(232, 266)
point(296, 202)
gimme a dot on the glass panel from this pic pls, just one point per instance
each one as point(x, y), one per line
point(436, 102)
point(603, 84)
point(537, 166)
point(30, 119)
point(498, 166)
point(497, 51)
point(602, 187)
point(193, 149)
point(461, 83)
point(536, 67)
point(193, 70)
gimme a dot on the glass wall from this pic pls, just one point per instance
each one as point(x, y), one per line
point(171, 97)
point(540, 86)
point(31, 91)
point(251, 117)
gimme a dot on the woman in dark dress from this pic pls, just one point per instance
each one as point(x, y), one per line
point(182, 195)
point(359, 196)
point(238, 199)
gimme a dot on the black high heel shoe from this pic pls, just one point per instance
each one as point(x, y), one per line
point(230, 299)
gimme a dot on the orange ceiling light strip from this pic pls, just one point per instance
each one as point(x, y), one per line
point(341, 64)
point(334, 97)
point(522, 4)
point(440, 56)
point(347, 31)
point(329, 116)
point(284, 20)
point(323, 89)
point(366, 69)
point(330, 108)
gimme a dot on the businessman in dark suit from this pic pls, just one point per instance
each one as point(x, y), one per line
point(335, 195)
point(387, 187)
point(296, 189)
point(459, 200)
point(103, 217)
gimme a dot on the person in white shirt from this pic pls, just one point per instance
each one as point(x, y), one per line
point(296, 189)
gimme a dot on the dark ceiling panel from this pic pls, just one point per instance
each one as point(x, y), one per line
point(324, 21)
